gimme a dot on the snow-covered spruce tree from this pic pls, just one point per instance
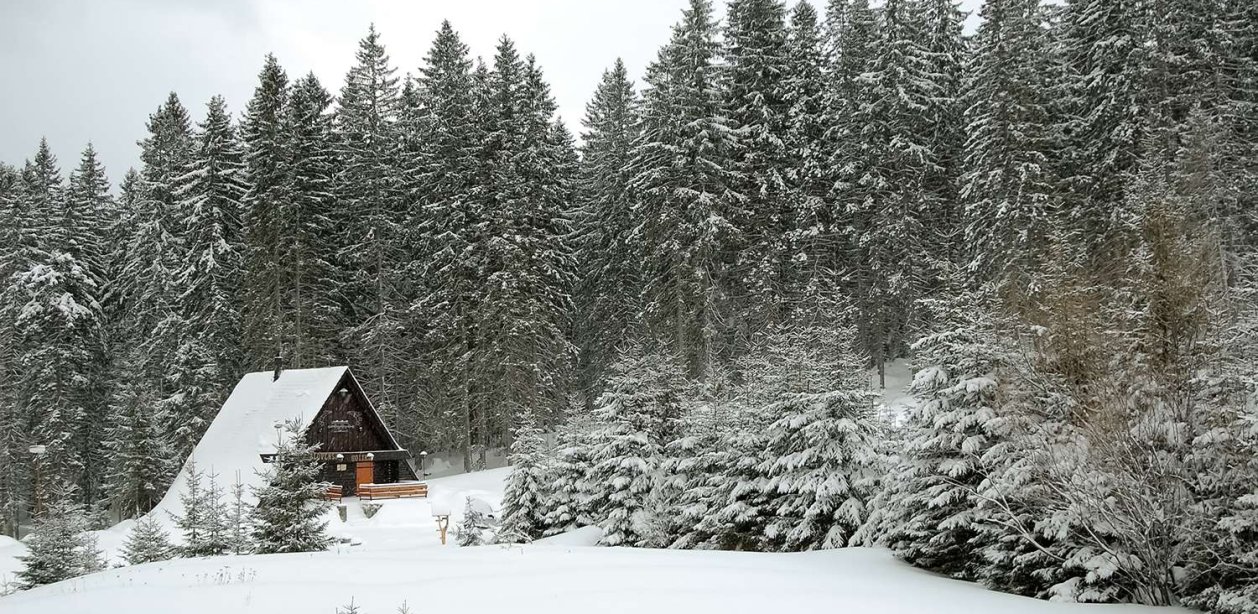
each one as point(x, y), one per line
point(152, 257)
point(607, 252)
point(443, 234)
point(471, 531)
point(788, 362)
point(522, 349)
point(943, 49)
point(289, 514)
point(10, 476)
point(822, 458)
point(814, 223)
point(57, 320)
point(694, 475)
point(205, 360)
point(84, 225)
point(311, 279)
point(140, 454)
point(264, 138)
point(217, 536)
point(147, 543)
point(929, 505)
point(883, 186)
point(49, 308)
point(1007, 182)
point(681, 182)
point(60, 547)
point(1107, 63)
point(641, 400)
point(567, 505)
point(368, 187)
point(753, 97)
point(141, 459)
point(851, 33)
point(523, 500)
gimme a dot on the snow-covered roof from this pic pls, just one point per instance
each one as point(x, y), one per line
point(245, 427)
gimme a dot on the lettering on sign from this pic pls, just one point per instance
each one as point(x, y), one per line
point(340, 426)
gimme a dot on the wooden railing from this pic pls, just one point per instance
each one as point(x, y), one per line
point(392, 491)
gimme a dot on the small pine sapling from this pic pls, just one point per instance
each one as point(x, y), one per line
point(147, 542)
point(472, 530)
point(61, 546)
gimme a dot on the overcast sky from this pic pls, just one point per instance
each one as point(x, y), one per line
point(92, 70)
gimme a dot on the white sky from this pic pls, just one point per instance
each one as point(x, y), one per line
point(80, 70)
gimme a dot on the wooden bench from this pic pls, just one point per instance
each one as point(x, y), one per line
point(334, 493)
point(371, 492)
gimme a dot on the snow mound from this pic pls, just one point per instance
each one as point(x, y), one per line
point(448, 495)
point(584, 536)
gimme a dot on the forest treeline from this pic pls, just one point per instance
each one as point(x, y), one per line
point(1052, 218)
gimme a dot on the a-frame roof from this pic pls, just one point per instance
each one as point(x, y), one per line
point(246, 426)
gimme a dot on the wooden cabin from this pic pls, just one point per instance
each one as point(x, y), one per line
point(354, 444)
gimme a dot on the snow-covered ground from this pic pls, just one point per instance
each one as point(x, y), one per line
point(400, 524)
point(399, 558)
point(896, 401)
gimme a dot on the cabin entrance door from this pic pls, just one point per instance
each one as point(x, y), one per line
point(364, 473)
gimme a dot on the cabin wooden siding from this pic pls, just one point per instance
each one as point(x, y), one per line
point(347, 424)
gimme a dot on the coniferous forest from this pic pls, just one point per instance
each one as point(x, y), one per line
point(671, 318)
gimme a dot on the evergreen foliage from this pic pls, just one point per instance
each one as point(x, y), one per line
point(523, 517)
point(472, 529)
point(1051, 220)
point(290, 509)
point(631, 423)
point(147, 543)
point(61, 546)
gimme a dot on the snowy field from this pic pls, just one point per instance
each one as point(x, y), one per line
point(397, 558)
point(401, 524)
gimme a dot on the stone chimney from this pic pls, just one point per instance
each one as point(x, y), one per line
point(279, 367)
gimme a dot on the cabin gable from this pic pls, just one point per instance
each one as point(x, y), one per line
point(348, 423)
point(354, 445)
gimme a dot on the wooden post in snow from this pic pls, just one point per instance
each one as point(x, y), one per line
point(443, 522)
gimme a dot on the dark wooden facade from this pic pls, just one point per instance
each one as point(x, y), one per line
point(347, 429)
